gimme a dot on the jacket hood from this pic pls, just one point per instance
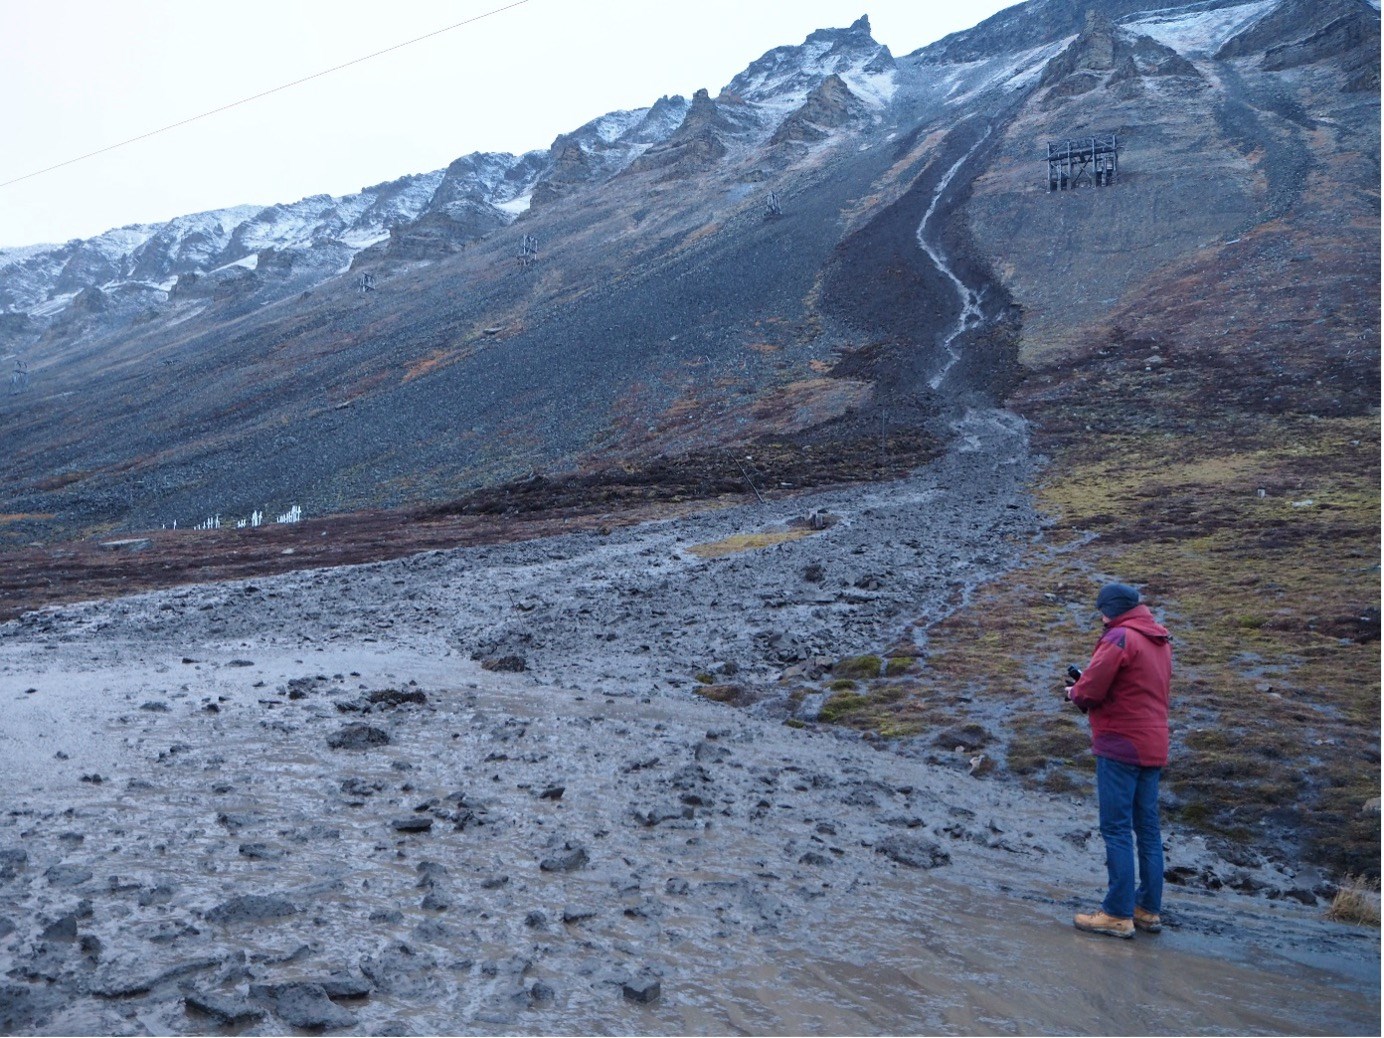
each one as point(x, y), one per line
point(1140, 619)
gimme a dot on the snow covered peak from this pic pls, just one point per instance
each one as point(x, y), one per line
point(784, 76)
point(35, 278)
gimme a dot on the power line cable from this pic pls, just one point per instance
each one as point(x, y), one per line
point(264, 93)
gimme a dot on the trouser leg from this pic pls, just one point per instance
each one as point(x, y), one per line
point(1115, 783)
point(1148, 832)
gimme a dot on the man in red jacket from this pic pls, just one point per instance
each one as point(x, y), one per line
point(1124, 693)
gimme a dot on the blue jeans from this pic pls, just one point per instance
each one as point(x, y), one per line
point(1129, 810)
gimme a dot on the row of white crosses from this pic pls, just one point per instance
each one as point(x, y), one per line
point(213, 522)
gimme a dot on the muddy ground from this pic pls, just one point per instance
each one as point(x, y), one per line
point(311, 802)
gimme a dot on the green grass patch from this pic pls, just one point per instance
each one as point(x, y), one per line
point(842, 704)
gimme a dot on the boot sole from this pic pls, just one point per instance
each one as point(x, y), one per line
point(1125, 934)
point(1148, 927)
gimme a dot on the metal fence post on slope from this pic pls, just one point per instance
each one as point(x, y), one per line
point(19, 377)
point(748, 480)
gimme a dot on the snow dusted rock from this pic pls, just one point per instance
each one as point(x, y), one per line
point(222, 1008)
point(251, 908)
point(307, 1006)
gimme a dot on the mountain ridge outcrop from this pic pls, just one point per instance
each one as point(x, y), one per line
point(630, 291)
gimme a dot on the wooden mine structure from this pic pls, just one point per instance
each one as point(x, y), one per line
point(1093, 161)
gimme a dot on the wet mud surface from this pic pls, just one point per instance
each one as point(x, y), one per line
point(328, 801)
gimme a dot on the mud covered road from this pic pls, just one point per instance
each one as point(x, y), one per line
point(300, 803)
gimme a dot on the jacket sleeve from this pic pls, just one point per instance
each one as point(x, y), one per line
point(1094, 686)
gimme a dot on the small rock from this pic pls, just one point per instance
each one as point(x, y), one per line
point(914, 851)
point(967, 737)
point(533, 920)
point(568, 860)
point(343, 985)
point(642, 989)
point(414, 824)
point(505, 664)
point(360, 788)
point(390, 697)
point(12, 859)
point(156, 895)
point(67, 875)
point(357, 737)
point(64, 929)
point(155, 706)
point(432, 930)
point(709, 751)
point(662, 813)
point(223, 1009)
point(307, 1006)
point(429, 873)
point(435, 902)
point(575, 914)
point(133, 975)
point(251, 908)
point(259, 852)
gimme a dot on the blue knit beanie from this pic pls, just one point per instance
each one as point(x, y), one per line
point(1116, 599)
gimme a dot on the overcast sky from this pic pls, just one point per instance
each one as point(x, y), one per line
point(79, 75)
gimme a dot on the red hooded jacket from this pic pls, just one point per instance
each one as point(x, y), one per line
point(1124, 691)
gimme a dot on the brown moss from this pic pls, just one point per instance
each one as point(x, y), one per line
point(721, 693)
point(858, 667)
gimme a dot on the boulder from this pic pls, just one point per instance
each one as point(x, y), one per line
point(917, 852)
point(357, 737)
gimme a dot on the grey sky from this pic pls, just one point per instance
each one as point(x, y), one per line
point(80, 76)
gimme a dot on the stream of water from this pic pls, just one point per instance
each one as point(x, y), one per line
point(971, 313)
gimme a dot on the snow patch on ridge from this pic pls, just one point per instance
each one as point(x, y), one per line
point(874, 88)
point(1199, 32)
point(1013, 72)
point(515, 206)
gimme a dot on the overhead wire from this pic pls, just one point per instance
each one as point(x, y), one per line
point(264, 93)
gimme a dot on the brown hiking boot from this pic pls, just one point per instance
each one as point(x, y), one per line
point(1099, 922)
point(1149, 922)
